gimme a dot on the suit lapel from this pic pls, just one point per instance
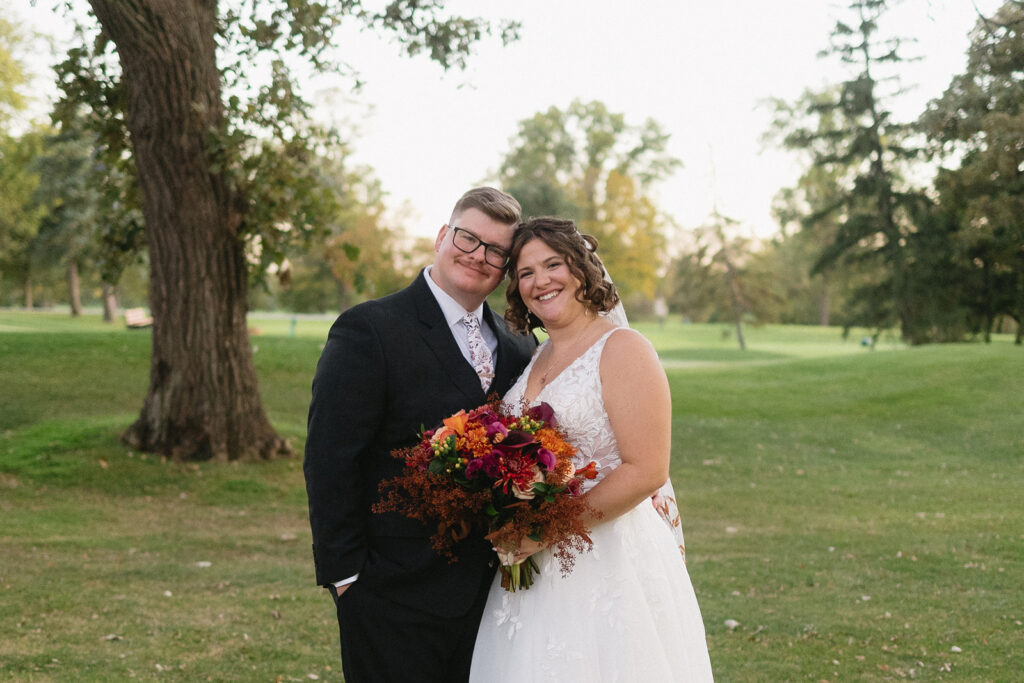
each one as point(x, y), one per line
point(438, 337)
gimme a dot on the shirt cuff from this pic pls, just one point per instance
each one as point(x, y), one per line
point(345, 582)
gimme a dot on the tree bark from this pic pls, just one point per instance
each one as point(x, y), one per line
point(109, 303)
point(74, 289)
point(203, 401)
point(28, 293)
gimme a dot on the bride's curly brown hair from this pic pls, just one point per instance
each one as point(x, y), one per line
point(580, 254)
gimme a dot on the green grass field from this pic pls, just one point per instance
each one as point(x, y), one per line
point(853, 510)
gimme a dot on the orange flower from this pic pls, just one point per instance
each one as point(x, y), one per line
point(588, 472)
point(475, 441)
point(553, 441)
point(457, 422)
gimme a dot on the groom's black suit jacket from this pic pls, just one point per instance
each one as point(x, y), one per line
point(389, 367)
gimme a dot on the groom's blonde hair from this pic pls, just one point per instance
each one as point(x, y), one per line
point(493, 203)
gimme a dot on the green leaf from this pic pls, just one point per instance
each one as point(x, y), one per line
point(351, 251)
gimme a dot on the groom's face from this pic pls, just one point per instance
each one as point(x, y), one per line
point(469, 278)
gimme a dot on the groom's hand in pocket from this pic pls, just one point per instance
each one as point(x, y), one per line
point(340, 590)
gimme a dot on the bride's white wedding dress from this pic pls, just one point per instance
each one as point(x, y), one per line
point(627, 612)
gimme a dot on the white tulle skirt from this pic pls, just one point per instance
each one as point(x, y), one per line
point(627, 612)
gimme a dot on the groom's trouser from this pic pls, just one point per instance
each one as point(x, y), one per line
point(384, 642)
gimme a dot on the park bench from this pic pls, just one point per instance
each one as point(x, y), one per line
point(136, 318)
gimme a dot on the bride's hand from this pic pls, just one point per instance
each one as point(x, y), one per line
point(526, 548)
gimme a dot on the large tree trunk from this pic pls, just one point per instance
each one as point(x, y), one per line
point(109, 302)
point(203, 400)
point(74, 289)
point(28, 293)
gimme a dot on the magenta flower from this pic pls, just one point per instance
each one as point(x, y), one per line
point(545, 458)
point(497, 427)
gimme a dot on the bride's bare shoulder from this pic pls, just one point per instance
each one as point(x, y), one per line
point(628, 351)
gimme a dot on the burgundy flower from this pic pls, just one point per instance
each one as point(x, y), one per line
point(575, 487)
point(542, 412)
point(515, 440)
point(473, 468)
point(491, 463)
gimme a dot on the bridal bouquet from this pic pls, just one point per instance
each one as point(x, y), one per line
point(509, 476)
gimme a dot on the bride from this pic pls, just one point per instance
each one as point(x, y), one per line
point(627, 612)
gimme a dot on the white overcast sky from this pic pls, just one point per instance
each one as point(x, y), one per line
point(700, 68)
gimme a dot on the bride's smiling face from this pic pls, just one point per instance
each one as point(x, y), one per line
point(546, 284)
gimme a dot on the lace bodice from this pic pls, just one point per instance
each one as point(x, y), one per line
point(575, 396)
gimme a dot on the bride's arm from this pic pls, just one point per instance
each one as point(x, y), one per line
point(639, 404)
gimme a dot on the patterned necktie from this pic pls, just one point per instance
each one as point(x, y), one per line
point(479, 354)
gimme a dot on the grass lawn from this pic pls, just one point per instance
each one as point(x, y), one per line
point(852, 510)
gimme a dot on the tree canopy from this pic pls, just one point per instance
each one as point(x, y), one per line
point(203, 127)
point(587, 163)
point(979, 120)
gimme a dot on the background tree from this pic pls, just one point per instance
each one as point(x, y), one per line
point(13, 78)
point(723, 277)
point(813, 206)
point(19, 214)
point(589, 164)
point(220, 139)
point(357, 255)
point(18, 218)
point(874, 207)
point(979, 122)
point(693, 289)
point(68, 193)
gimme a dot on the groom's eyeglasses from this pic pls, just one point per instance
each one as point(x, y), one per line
point(467, 243)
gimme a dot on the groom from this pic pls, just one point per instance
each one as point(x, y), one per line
point(389, 367)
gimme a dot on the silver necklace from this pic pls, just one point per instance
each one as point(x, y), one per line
point(551, 357)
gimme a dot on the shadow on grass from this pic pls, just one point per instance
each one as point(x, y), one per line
point(86, 453)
